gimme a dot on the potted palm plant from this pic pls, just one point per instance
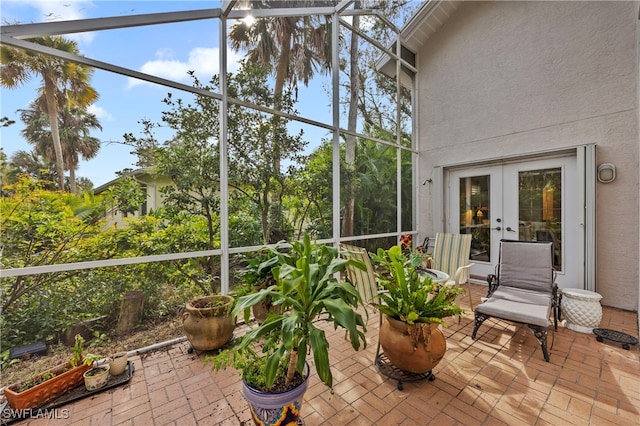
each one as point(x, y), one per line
point(413, 307)
point(272, 356)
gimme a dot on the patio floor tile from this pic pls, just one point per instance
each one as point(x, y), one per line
point(498, 379)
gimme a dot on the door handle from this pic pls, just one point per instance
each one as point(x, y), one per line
point(508, 228)
point(497, 228)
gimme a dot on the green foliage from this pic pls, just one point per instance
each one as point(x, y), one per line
point(411, 297)
point(5, 359)
point(78, 357)
point(41, 227)
point(258, 272)
point(99, 339)
point(126, 195)
point(308, 292)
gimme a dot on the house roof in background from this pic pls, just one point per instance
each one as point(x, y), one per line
point(133, 173)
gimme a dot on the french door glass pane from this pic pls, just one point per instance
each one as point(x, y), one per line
point(475, 212)
point(540, 208)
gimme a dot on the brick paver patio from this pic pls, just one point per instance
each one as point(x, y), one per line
point(499, 379)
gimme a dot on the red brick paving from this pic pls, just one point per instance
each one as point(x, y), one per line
point(499, 379)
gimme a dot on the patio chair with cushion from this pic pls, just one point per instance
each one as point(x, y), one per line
point(364, 281)
point(451, 256)
point(523, 290)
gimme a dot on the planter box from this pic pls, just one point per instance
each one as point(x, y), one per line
point(39, 395)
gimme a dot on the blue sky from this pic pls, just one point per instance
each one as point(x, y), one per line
point(168, 51)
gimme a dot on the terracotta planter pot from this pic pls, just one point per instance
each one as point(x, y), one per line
point(262, 309)
point(49, 390)
point(415, 349)
point(275, 409)
point(208, 328)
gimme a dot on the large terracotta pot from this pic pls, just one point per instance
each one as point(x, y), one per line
point(66, 378)
point(276, 408)
point(207, 322)
point(414, 348)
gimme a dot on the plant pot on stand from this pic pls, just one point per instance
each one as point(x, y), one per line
point(207, 322)
point(412, 309)
point(415, 348)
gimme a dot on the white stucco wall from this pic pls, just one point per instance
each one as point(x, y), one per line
point(510, 78)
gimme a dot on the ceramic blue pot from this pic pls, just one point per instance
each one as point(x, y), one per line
point(276, 408)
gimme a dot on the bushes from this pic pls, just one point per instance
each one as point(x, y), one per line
point(41, 227)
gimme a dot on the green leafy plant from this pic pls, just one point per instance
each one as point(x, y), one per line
point(5, 359)
point(78, 356)
point(99, 339)
point(270, 355)
point(411, 296)
point(255, 276)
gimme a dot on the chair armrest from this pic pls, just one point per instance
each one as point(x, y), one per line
point(462, 272)
point(493, 284)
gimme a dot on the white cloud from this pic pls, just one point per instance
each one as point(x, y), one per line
point(99, 112)
point(203, 61)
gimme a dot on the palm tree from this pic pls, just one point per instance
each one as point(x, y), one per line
point(74, 126)
point(58, 77)
point(292, 47)
point(33, 164)
point(351, 140)
point(77, 142)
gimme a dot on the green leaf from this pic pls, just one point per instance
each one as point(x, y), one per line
point(345, 317)
point(320, 349)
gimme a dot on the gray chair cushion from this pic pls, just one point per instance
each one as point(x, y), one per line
point(522, 296)
point(522, 306)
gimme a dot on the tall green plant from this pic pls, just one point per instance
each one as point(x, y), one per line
point(308, 291)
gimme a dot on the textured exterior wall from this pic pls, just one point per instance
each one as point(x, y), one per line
point(510, 78)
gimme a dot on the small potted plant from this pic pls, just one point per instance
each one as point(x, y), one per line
point(47, 386)
point(413, 307)
point(258, 275)
point(96, 377)
point(272, 356)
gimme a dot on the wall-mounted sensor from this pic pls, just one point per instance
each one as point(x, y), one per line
point(606, 173)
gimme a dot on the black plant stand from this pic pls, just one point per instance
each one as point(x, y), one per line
point(616, 336)
point(388, 369)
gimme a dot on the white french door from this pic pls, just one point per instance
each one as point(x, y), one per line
point(528, 201)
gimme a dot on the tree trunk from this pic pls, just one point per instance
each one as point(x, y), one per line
point(291, 366)
point(52, 112)
point(73, 188)
point(351, 141)
point(131, 311)
point(280, 79)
